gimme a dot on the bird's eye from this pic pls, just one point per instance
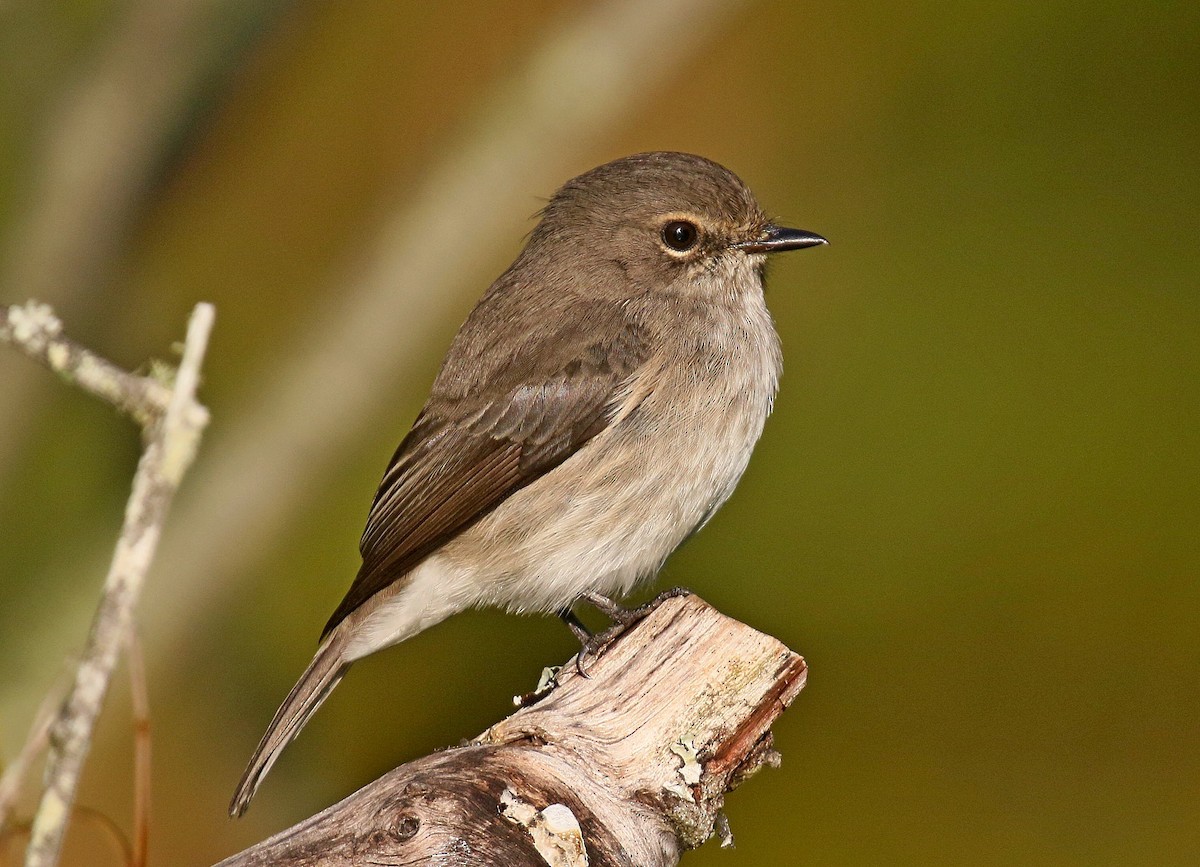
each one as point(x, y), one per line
point(680, 235)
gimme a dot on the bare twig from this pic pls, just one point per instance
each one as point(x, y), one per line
point(108, 828)
point(628, 766)
point(134, 854)
point(35, 330)
point(171, 440)
point(110, 831)
point(39, 737)
point(140, 699)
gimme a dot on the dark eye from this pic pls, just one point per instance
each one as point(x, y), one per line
point(680, 235)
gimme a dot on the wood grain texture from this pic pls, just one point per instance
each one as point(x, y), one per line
point(613, 752)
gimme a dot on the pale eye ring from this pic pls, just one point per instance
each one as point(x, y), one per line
point(680, 235)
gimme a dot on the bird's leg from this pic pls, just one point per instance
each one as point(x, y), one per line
point(581, 632)
point(588, 643)
point(626, 617)
point(622, 618)
point(610, 609)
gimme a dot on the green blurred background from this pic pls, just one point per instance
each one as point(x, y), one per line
point(975, 510)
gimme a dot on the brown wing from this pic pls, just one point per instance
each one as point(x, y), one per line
point(488, 430)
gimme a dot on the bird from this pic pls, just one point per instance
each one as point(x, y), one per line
point(597, 406)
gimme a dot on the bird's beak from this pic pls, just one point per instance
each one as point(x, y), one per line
point(776, 239)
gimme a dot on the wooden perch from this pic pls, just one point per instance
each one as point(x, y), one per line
point(627, 767)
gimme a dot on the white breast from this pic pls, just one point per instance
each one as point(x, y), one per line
point(610, 515)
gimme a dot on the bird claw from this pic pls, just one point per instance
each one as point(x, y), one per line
point(622, 619)
point(595, 645)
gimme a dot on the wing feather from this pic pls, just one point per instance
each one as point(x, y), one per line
point(487, 432)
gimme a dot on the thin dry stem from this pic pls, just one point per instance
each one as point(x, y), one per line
point(39, 737)
point(170, 445)
point(35, 330)
point(140, 699)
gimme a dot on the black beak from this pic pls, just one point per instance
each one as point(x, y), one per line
point(776, 239)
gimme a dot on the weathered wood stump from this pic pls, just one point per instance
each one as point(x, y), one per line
point(628, 766)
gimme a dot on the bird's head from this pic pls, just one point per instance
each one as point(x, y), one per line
point(660, 222)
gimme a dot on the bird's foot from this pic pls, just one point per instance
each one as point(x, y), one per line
point(628, 616)
point(582, 634)
point(589, 643)
point(622, 619)
point(595, 645)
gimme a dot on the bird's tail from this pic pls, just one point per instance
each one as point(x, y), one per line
point(313, 687)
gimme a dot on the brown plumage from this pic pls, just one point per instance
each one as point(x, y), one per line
point(597, 406)
point(485, 433)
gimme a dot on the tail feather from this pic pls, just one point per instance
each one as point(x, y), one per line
point(322, 675)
